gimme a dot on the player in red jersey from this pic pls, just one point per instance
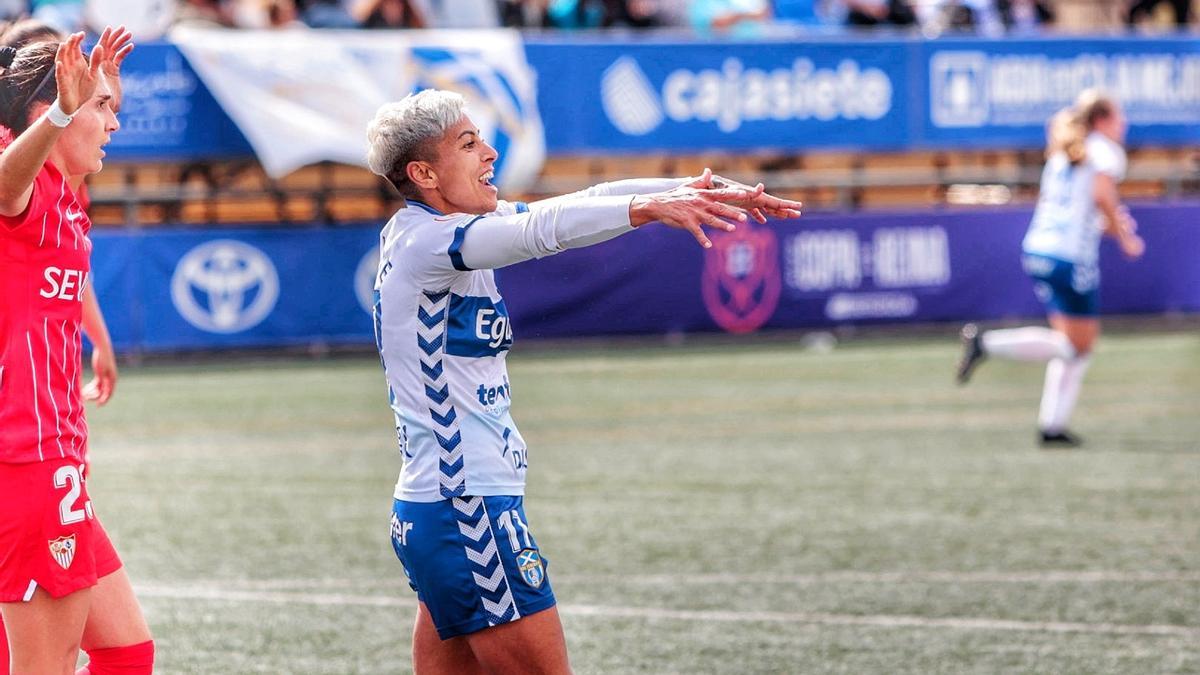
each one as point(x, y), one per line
point(61, 583)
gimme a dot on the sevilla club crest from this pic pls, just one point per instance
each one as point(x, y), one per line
point(741, 283)
point(63, 550)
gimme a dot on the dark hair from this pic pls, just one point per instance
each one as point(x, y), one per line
point(25, 82)
point(28, 31)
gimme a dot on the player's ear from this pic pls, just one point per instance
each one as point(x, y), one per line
point(421, 174)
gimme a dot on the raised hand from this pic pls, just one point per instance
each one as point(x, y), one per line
point(117, 43)
point(692, 209)
point(77, 76)
point(764, 204)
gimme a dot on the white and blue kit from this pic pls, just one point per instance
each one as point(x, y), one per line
point(443, 332)
point(1062, 246)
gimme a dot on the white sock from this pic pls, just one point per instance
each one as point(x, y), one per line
point(1064, 379)
point(1032, 343)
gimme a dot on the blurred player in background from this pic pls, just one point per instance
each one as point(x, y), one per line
point(1078, 203)
point(458, 523)
point(62, 586)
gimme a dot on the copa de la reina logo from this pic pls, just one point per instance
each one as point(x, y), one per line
point(225, 286)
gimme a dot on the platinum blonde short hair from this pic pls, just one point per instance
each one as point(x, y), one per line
point(406, 131)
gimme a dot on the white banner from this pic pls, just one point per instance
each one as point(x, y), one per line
point(304, 96)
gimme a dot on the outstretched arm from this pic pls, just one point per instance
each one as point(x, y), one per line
point(617, 188)
point(488, 242)
point(770, 205)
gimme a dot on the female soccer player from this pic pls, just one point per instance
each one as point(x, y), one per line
point(118, 43)
point(61, 582)
point(1078, 203)
point(458, 524)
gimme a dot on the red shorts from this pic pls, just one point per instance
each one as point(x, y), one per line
point(49, 537)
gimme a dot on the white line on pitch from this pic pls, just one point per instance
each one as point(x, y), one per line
point(183, 592)
point(997, 577)
point(892, 577)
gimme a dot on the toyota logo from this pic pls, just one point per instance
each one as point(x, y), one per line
point(225, 286)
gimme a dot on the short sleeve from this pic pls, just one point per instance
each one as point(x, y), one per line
point(431, 252)
point(1106, 157)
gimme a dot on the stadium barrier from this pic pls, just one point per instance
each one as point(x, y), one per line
point(655, 94)
point(212, 289)
point(821, 119)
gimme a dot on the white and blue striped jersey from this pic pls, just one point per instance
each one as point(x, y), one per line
point(443, 331)
point(1066, 223)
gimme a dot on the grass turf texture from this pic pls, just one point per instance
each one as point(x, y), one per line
point(737, 509)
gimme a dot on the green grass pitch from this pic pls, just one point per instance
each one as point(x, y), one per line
point(744, 508)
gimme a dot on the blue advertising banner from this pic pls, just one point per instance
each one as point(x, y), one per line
point(613, 97)
point(618, 95)
point(1001, 92)
point(211, 289)
point(167, 114)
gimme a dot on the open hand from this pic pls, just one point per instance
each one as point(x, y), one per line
point(117, 43)
point(77, 75)
point(764, 204)
point(691, 209)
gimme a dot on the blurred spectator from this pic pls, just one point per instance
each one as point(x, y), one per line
point(1145, 8)
point(601, 13)
point(65, 16)
point(737, 18)
point(1025, 16)
point(521, 13)
point(974, 16)
point(206, 13)
point(388, 14)
point(879, 13)
point(458, 13)
point(282, 14)
point(255, 14)
point(326, 13)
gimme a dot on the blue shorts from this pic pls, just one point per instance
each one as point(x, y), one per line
point(1064, 287)
point(471, 560)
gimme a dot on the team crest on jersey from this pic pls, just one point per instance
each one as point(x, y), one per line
point(63, 550)
point(529, 562)
point(742, 283)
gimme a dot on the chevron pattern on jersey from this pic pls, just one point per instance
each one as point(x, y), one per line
point(431, 338)
point(480, 547)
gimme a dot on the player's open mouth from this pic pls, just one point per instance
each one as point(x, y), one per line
point(486, 179)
